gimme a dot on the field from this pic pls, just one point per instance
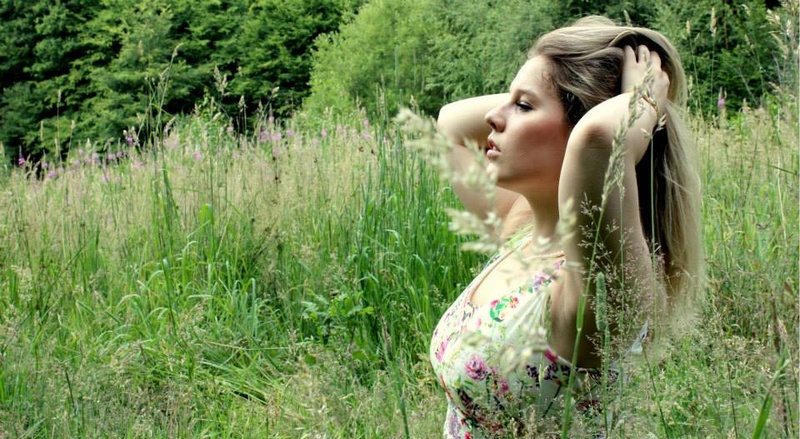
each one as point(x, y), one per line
point(286, 285)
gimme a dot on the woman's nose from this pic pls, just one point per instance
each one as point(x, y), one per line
point(493, 119)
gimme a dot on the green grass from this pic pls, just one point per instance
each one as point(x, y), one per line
point(221, 286)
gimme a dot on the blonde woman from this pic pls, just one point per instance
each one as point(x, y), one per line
point(627, 252)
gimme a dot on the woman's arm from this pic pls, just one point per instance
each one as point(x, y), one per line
point(464, 123)
point(608, 237)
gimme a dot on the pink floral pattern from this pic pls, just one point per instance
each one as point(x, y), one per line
point(487, 398)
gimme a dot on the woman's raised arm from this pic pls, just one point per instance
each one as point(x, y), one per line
point(609, 236)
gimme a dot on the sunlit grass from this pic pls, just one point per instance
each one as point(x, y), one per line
point(287, 286)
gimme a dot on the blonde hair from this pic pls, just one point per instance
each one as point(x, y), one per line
point(586, 61)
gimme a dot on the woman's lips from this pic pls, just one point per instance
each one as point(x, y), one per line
point(492, 150)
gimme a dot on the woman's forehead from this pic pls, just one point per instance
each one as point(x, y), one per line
point(534, 78)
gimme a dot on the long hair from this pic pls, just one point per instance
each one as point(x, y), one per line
point(586, 65)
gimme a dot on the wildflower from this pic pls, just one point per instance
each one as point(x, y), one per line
point(52, 174)
point(111, 156)
point(366, 136)
point(324, 133)
point(45, 165)
point(21, 161)
point(263, 136)
point(229, 129)
point(365, 122)
point(271, 119)
point(80, 152)
point(277, 136)
point(289, 133)
point(120, 154)
point(197, 156)
point(276, 152)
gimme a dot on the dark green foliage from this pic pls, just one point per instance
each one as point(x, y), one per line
point(73, 71)
point(273, 50)
point(423, 53)
point(639, 12)
point(725, 46)
point(77, 70)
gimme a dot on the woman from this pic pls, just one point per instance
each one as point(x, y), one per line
point(599, 238)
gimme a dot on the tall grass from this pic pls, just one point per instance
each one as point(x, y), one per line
point(286, 285)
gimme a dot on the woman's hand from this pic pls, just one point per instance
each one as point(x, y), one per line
point(634, 70)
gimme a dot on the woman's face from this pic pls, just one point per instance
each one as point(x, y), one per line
point(529, 133)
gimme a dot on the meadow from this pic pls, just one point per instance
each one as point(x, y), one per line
point(285, 284)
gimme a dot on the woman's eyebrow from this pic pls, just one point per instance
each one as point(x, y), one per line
point(527, 91)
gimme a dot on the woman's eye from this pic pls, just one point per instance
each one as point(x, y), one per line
point(524, 106)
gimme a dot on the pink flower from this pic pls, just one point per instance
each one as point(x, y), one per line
point(502, 386)
point(476, 368)
point(229, 129)
point(721, 102)
point(21, 161)
point(198, 156)
point(440, 350)
point(324, 133)
point(271, 119)
point(276, 152)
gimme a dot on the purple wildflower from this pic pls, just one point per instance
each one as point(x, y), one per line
point(229, 129)
point(21, 161)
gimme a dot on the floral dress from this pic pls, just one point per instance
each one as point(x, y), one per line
point(499, 375)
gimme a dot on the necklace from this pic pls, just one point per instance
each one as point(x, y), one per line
point(546, 255)
point(528, 242)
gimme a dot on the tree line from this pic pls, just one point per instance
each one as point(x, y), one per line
point(77, 71)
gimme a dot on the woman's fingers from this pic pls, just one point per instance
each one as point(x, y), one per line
point(644, 54)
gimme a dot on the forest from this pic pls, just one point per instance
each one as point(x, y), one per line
point(77, 71)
